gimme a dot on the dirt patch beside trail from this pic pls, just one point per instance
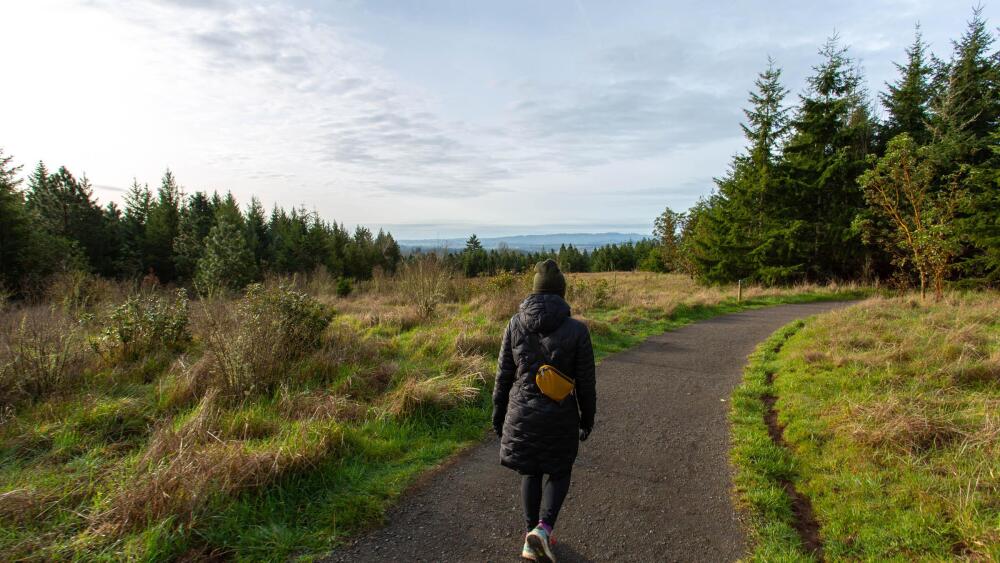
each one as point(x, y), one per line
point(651, 484)
point(805, 519)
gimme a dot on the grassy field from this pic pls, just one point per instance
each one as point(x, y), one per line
point(891, 414)
point(136, 423)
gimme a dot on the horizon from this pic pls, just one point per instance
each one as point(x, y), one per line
point(368, 114)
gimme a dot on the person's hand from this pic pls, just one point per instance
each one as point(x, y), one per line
point(584, 433)
point(498, 423)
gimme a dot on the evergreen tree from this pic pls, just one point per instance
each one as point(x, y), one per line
point(257, 234)
point(907, 102)
point(15, 227)
point(966, 110)
point(288, 231)
point(832, 134)
point(570, 260)
point(67, 212)
point(746, 229)
point(162, 228)
point(227, 262)
point(908, 99)
point(197, 217)
point(138, 201)
point(388, 251)
point(474, 258)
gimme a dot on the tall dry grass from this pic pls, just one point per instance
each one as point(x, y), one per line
point(42, 351)
point(184, 470)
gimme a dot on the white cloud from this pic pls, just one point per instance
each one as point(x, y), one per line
point(501, 114)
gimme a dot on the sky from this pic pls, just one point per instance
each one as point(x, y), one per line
point(428, 118)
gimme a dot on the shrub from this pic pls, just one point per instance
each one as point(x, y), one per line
point(78, 290)
point(144, 324)
point(590, 295)
point(502, 282)
point(41, 352)
point(422, 282)
point(250, 351)
point(344, 287)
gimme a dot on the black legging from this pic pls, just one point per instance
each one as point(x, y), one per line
point(531, 495)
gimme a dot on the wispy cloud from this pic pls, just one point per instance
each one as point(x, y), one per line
point(503, 113)
point(316, 94)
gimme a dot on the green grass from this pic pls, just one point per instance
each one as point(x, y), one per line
point(761, 465)
point(67, 457)
point(890, 409)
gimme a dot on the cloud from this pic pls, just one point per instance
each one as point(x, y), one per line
point(315, 92)
point(383, 112)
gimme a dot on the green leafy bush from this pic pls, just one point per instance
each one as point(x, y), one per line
point(145, 324)
point(502, 282)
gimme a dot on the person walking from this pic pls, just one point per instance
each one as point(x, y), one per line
point(544, 354)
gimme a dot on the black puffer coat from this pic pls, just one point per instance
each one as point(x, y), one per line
point(539, 434)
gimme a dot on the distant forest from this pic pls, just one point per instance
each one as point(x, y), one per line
point(825, 190)
point(473, 260)
point(201, 239)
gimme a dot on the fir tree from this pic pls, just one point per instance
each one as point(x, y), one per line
point(908, 99)
point(745, 228)
point(138, 201)
point(966, 110)
point(388, 250)
point(474, 258)
point(15, 227)
point(197, 217)
point(67, 212)
point(831, 138)
point(162, 228)
point(257, 234)
point(227, 263)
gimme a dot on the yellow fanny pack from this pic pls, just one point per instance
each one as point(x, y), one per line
point(553, 383)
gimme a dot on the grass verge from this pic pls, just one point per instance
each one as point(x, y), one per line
point(890, 413)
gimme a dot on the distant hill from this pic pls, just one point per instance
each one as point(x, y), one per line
point(583, 241)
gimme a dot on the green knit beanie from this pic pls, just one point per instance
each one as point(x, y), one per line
point(548, 278)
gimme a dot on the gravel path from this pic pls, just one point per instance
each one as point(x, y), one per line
point(651, 484)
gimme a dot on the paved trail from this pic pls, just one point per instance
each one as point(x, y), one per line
point(651, 484)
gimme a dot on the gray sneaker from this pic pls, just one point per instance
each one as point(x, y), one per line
point(540, 542)
point(528, 552)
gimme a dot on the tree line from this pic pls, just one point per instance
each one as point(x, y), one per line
point(474, 260)
point(826, 190)
point(204, 240)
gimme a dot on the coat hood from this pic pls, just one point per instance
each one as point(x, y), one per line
point(543, 312)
